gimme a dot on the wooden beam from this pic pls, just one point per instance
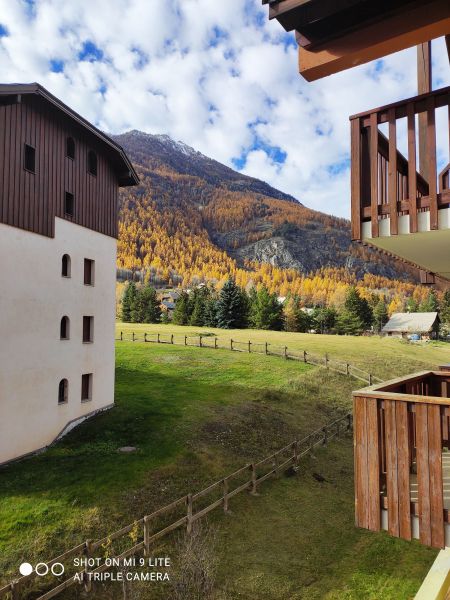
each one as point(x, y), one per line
point(375, 41)
point(424, 86)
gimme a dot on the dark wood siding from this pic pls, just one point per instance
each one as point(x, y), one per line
point(31, 201)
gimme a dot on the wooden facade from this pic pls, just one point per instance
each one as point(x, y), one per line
point(401, 433)
point(384, 183)
point(30, 199)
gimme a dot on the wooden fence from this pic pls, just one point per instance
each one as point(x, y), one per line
point(212, 341)
point(183, 512)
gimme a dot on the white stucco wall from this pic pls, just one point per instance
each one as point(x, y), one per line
point(33, 298)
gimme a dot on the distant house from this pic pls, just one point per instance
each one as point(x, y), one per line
point(169, 296)
point(168, 307)
point(423, 324)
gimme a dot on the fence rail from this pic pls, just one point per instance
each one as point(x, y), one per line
point(188, 509)
point(212, 341)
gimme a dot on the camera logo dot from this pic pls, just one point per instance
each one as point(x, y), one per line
point(25, 569)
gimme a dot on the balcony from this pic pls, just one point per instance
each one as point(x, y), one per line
point(394, 207)
point(402, 458)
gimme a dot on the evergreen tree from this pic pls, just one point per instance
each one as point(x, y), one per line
point(210, 315)
point(231, 306)
point(128, 301)
point(181, 312)
point(380, 315)
point(149, 309)
point(445, 307)
point(411, 305)
point(430, 304)
point(324, 319)
point(295, 318)
point(359, 307)
point(266, 312)
point(165, 317)
point(349, 323)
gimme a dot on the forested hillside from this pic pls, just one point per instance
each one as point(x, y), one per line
point(192, 219)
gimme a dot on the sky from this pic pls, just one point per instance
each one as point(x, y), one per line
point(216, 75)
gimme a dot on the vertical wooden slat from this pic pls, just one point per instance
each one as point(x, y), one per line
point(393, 181)
point(356, 178)
point(374, 173)
point(373, 460)
point(423, 475)
point(432, 165)
point(360, 458)
point(436, 487)
point(403, 463)
point(412, 169)
point(392, 467)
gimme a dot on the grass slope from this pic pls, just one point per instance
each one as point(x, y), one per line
point(195, 415)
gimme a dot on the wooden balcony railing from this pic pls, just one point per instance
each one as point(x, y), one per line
point(384, 183)
point(402, 438)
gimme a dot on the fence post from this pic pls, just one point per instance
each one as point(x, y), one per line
point(231, 344)
point(158, 338)
point(171, 339)
point(326, 361)
point(15, 590)
point(267, 348)
point(225, 495)
point(185, 340)
point(145, 337)
point(200, 341)
point(121, 336)
point(349, 422)
point(370, 378)
point(189, 513)
point(347, 369)
point(305, 360)
point(146, 536)
point(249, 346)
point(215, 343)
point(253, 472)
point(87, 580)
point(133, 336)
point(285, 353)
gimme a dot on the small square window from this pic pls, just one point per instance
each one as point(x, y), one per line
point(89, 271)
point(30, 158)
point(86, 387)
point(88, 330)
point(69, 204)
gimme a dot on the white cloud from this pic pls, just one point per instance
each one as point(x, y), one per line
point(216, 75)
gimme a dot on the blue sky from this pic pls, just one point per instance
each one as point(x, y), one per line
point(216, 75)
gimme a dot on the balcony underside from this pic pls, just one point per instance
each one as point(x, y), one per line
point(430, 250)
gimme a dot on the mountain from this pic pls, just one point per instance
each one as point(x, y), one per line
point(192, 218)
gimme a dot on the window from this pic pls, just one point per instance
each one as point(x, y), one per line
point(65, 266)
point(30, 158)
point(69, 204)
point(88, 330)
point(86, 387)
point(70, 148)
point(63, 391)
point(89, 266)
point(92, 162)
point(65, 328)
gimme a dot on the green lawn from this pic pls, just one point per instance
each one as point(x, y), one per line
point(383, 356)
point(194, 415)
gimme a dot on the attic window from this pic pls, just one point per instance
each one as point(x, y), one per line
point(30, 158)
point(92, 162)
point(70, 148)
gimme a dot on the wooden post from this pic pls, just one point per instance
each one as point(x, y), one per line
point(87, 580)
point(185, 340)
point(189, 513)
point(285, 353)
point(200, 341)
point(231, 344)
point(225, 495)
point(347, 369)
point(133, 336)
point(171, 339)
point(121, 336)
point(215, 343)
point(249, 346)
point(15, 590)
point(267, 348)
point(305, 360)
point(424, 86)
point(158, 339)
point(253, 472)
point(145, 337)
point(326, 361)
point(146, 536)
point(370, 378)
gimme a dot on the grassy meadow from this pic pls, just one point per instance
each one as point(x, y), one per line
point(195, 415)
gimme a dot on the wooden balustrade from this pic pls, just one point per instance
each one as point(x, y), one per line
point(386, 184)
point(401, 430)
